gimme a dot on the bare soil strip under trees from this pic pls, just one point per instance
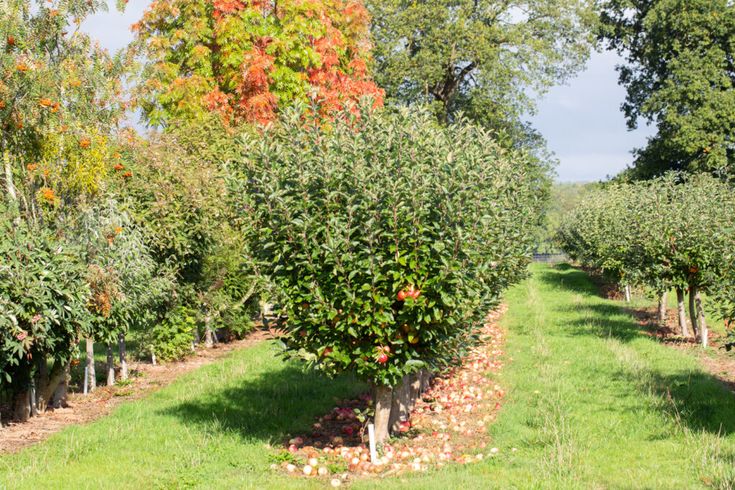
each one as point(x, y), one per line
point(716, 360)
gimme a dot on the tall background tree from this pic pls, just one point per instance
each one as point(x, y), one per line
point(245, 59)
point(481, 57)
point(679, 75)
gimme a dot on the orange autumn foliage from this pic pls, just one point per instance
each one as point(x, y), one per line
point(247, 59)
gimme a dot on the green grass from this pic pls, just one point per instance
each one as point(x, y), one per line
point(591, 403)
point(594, 403)
point(212, 428)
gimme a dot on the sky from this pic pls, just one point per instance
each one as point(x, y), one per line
point(580, 120)
point(584, 126)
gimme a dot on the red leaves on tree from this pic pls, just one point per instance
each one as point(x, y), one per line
point(225, 7)
point(247, 67)
point(218, 101)
point(337, 89)
point(256, 102)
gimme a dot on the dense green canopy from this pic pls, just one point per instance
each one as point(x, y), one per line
point(479, 57)
point(679, 74)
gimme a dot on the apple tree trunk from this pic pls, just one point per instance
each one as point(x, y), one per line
point(45, 390)
point(415, 390)
point(123, 356)
point(681, 310)
point(62, 390)
point(91, 375)
point(662, 309)
point(399, 411)
point(208, 333)
point(42, 380)
point(22, 405)
point(703, 330)
point(693, 311)
point(383, 403)
point(110, 366)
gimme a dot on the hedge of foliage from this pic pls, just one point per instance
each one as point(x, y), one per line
point(104, 233)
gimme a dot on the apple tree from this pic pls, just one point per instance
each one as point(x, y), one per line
point(387, 236)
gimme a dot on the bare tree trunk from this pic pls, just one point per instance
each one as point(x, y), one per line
point(22, 406)
point(383, 402)
point(110, 366)
point(91, 375)
point(627, 293)
point(662, 309)
point(424, 380)
point(46, 391)
point(703, 330)
point(400, 410)
point(9, 186)
point(34, 400)
point(123, 356)
point(681, 309)
point(693, 312)
point(415, 391)
point(405, 396)
point(208, 333)
point(42, 382)
point(60, 395)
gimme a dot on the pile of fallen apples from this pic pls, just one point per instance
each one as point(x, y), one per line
point(447, 425)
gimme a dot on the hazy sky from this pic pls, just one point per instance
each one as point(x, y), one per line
point(584, 126)
point(581, 121)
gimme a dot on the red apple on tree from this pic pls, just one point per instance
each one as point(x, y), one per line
point(383, 352)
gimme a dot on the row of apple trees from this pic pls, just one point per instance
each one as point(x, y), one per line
point(383, 236)
point(674, 232)
point(103, 234)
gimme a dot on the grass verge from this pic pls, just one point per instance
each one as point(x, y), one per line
point(212, 428)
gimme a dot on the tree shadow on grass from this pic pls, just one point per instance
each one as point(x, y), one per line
point(275, 405)
point(601, 320)
point(564, 276)
point(694, 398)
